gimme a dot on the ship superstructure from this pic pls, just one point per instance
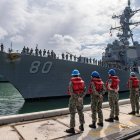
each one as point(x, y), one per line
point(124, 52)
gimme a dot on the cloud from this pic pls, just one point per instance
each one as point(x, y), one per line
point(3, 33)
point(13, 16)
point(17, 39)
point(65, 43)
point(77, 26)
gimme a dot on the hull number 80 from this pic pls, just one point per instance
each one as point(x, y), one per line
point(36, 66)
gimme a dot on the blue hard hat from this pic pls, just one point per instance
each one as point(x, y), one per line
point(132, 74)
point(75, 73)
point(112, 72)
point(95, 74)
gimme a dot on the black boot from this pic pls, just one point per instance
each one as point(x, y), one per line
point(93, 125)
point(109, 120)
point(71, 130)
point(116, 118)
point(81, 127)
point(100, 124)
point(137, 112)
point(132, 113)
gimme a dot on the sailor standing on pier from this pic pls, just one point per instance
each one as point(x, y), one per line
point(112, 85)
point(134, 86)
point(96, 90)
point(77, 92)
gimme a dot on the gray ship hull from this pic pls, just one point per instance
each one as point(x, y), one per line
point(39, 77)
point(3, 79)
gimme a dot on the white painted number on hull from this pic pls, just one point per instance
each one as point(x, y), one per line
point(35, 67)
point(46, 67)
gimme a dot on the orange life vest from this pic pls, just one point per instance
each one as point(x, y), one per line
point(135, 82)
point(114, 82)
point(78, 85)
point(98, 85)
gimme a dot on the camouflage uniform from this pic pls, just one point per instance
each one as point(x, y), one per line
point(74, 104)
point(96, 104)
point(113, 99)
point(134, 97)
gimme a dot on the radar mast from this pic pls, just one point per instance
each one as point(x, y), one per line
point(125, 29)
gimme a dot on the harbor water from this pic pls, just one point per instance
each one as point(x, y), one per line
point(11, 102)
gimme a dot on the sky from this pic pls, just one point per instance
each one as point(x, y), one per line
point(80, 27)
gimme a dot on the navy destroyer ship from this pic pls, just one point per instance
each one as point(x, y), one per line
point(37, 76)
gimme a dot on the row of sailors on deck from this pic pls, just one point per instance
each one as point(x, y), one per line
point(79, 59)
point(38, 52)
point(52, 54)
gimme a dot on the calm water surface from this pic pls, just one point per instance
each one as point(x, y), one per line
point(11, 102)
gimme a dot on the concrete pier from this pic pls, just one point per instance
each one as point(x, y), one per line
point(51, 125)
